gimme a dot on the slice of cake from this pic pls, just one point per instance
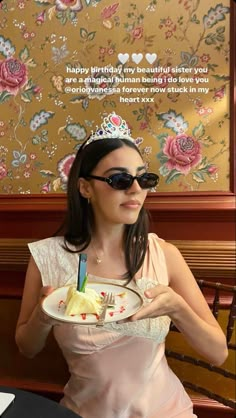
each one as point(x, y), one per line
point(87, 302)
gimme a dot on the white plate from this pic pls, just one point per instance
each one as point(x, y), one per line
point(127, 302)
point(5, 400)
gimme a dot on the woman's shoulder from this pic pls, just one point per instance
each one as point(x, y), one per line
point(169, 249)
point(56, 265)
point(155, 241)
point(47, 245)
point(166, 255)
point(152, 237)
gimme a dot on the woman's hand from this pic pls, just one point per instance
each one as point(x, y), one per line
point(163, 301)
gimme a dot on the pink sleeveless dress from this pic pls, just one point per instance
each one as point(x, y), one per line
point(119, 371)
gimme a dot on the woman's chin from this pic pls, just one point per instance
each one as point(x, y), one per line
point(131, 219)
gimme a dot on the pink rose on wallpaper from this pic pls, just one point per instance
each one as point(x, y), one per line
point(183, 152)
point(161, 79)
point(64, 166)
point(137, 33)
point(13, 75)
point(3, 171)
point(219, 93)
point(69, 4)
point(212, 170)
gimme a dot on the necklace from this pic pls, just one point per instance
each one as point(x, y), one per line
point(98, 259)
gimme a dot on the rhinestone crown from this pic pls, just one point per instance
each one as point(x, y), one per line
point(113, 126)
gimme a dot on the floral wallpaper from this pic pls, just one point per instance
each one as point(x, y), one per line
point(161, 64)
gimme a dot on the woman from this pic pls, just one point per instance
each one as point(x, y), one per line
point(119, 370)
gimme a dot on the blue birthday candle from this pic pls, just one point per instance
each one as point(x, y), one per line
point(82, 269)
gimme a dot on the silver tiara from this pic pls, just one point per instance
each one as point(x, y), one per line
point(113, 126)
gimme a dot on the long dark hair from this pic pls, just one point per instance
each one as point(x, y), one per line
point(79, 222)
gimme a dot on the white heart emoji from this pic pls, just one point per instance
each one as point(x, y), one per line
point(123, 58)
point(137, 58)
point(151, 57)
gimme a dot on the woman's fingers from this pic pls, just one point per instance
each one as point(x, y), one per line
point(163, 301)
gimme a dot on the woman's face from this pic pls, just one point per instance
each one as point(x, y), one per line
point(117, 206)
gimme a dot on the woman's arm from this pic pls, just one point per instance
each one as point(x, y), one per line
point(183, 301)
point(33, 326)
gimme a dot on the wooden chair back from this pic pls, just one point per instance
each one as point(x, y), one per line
point(220, 298)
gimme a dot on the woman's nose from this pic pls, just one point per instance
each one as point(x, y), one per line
point(135, 187)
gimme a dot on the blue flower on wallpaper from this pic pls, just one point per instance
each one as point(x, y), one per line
point(188, 60)
point(6, 47)
point(40, 119)
point(76, 131)
point(174, 121)
point(19, 158)
point(215, 15)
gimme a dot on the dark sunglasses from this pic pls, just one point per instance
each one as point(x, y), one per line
point(123, 181)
